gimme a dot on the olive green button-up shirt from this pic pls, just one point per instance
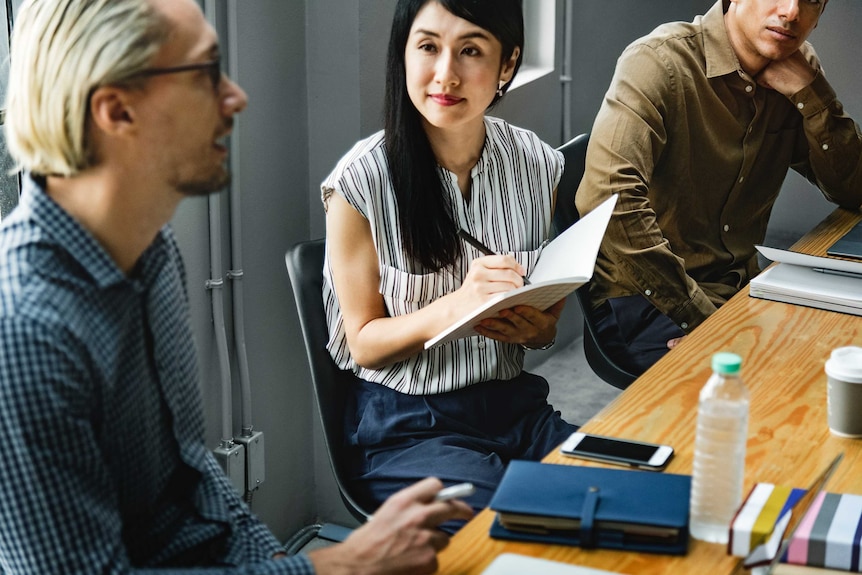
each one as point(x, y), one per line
point(697, 152)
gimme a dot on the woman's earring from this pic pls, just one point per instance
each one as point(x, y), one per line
point(500, 88)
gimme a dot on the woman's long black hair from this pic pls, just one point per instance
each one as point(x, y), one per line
point(424, 210)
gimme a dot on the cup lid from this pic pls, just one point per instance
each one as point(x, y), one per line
point(845, 364)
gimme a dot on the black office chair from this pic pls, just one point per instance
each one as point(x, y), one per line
point(565, 214)
point(305, 267)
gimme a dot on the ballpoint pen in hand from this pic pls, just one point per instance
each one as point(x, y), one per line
point(482, 248)
point(458, 491)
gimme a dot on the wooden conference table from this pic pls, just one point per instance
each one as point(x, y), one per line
point(783, 348)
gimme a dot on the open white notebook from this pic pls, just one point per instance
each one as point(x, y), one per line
point(565, 264)
point(813, 281)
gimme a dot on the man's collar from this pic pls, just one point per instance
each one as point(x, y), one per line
point(719, 54)
point(66, 231)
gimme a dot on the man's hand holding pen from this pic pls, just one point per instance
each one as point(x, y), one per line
point(402, 537)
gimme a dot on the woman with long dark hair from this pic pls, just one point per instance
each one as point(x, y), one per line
point(397, 273)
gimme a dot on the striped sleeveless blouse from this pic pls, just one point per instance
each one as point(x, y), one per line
point(510, 211)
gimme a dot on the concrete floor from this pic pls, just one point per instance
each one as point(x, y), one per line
point(576, 391)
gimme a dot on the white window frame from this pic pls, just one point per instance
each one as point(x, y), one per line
point(540, 18)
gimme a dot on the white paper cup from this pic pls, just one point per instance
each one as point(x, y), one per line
point(844, 391)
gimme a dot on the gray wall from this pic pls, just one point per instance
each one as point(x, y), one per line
point(601, 31)
point(273, 177)
point(273, 180)
point(314, 73)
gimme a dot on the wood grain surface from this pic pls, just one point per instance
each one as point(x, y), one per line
point(783, 349)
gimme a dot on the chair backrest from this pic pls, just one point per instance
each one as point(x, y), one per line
point(566, 214)
point(305, 267)
point(575, 152)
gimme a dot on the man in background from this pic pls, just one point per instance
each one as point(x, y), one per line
point(696, 133)
point(117, 110)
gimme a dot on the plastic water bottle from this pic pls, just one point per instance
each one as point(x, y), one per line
point(719, 450)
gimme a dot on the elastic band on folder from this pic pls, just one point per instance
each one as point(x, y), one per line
point(588, 516)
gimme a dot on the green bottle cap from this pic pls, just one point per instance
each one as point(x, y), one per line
point(727, 363)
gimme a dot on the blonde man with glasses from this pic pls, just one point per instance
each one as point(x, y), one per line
point(117, 110)
point(696, 134)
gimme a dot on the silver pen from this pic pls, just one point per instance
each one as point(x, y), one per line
point(458, 491)
point(838, 273)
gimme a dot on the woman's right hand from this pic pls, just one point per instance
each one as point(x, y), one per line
point(487, 276)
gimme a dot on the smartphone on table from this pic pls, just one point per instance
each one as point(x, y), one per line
point(638, 454)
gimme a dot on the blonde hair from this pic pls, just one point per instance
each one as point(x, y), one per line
point(62, 50)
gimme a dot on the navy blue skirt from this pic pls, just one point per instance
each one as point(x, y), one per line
point(471, 434)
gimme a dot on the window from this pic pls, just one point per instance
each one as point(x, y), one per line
point(539, 39)
point(9, 183)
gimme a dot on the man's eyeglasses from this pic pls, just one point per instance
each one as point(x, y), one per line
point(212, 67)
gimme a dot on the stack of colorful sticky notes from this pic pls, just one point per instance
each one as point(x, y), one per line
point(828, 536)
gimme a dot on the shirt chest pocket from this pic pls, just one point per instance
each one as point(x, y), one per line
point(406, 293)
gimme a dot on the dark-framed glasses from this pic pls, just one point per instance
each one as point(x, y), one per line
point(212, 67)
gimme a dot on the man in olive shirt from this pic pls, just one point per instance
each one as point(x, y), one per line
point(696, 133)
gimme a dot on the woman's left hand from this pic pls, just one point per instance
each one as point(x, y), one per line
point(523, 325)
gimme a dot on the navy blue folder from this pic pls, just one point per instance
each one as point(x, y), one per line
point(593, 507)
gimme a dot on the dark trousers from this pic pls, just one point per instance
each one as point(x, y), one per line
point(466, 435)
point(633, 332)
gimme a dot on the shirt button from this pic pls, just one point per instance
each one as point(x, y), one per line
point(749, 88)
point(800, 105)
point(825, 147)
point(683, 325)
point(481, 344)
point(726, 228)
point(648, 292)
point(741, 179)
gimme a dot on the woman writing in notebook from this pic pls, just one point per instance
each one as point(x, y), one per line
point(397, 272)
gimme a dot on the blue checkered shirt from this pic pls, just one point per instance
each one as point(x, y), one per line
point(104, 467)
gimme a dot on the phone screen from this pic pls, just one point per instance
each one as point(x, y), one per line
point(621, 449)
